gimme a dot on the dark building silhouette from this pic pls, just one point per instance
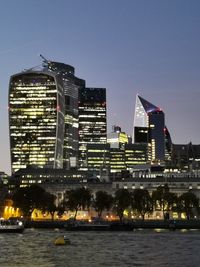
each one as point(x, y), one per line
point(186, 157)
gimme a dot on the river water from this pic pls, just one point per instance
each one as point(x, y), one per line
point(93, 249)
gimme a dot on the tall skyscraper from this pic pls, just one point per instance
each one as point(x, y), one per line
point(92, 120)
point(149, 127)
point(36, 120)
point(33, 96)
point(71, 85)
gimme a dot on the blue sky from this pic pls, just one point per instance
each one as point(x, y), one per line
point(127, 46)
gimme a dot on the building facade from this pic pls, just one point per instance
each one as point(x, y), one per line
point(136, 156)
point(71, 86)
point(186, 157)
point(59, 90)
point(149, 127)
point(157, 135)
point(92, 121)
point(36, 120)
point(117, 138)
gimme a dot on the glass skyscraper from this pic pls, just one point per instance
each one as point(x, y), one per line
point(44, 117)
point(36, 120)
point(52, 117)
point(149, 127)
point(92, 120)
point(71, 85)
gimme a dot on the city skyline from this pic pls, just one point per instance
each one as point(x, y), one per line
point(150, 48)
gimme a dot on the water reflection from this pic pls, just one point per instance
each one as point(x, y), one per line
point(138, 248)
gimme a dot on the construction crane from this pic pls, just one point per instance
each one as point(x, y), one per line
point(45, 64)
point(45, 61)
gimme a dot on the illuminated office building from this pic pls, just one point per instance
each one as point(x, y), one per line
point(157, 135)
point(102, 157)
point(118, 155)
point(149, 127)
point(123, 154)
point(36, 120)
point(64, 81)
point(92, 120)
point(71, 85)
point(136, 155)
point(117, 138)
point(117, 160)
point(98, 157)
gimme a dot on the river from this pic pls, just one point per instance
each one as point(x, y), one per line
point(35, 248)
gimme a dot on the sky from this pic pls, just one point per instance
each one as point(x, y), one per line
point(126, 46)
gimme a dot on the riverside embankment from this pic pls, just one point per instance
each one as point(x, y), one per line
point(116, 226)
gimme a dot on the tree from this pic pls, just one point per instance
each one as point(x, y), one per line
point(122, 201)
point(61, 208)
point(170, 200)
point(77, 199)
point(28, 199)
point(160, 197)
point(142, 202)
point(49, 204)
point(188, 202)
point(102, 201)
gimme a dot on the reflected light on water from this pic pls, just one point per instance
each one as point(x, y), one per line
point(36, 248)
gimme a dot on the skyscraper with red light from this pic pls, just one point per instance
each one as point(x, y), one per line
point(149, 127)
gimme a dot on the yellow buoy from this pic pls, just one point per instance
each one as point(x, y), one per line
point(60, 241)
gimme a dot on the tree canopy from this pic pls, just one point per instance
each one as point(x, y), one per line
point(77, 199)
point(164, 199)
point(142, 202)
point(103, 201)
point(122, 201)
point(30, 198)
point(188, 203)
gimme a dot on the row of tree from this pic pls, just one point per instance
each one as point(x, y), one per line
point(139, 201)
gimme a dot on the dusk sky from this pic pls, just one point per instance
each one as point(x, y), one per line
point(147, 47)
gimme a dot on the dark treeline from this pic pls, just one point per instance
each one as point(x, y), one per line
point(138, 202)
